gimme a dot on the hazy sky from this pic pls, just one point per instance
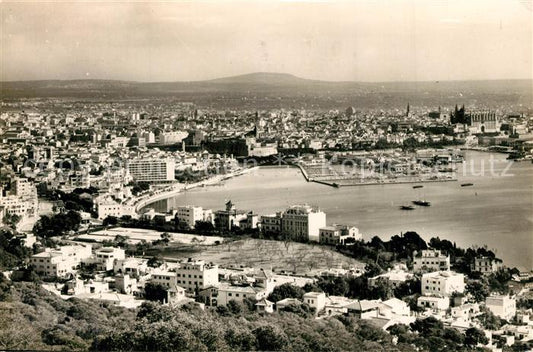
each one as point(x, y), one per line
point(376, 40)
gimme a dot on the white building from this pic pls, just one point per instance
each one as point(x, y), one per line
point(487, 265)
point(338, 234)
point(442, 283)
point(271, 223)
point(502, 306)
point(394, 306)
point(164, 278)
point(434, 303)
point(152, 170)
point(316, 300)
point(396, 277)
point(171, 137)
point(228, 292)
point(131, 266)
point(431, 259)
point(60, 262)
point(109, 207)
point(105, 257)
point(190, 214)
point(303, 222)
point(193, 275)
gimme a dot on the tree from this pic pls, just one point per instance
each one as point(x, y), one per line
point(478, 290)
point(489, 321)
point(155, 292)
point(110, 221)
point(474, 336)
point(286, 291)
point(269, 338)
point(11, 220)
point(234, 307)
point(165, 237)
point(155, 261)
point(204, 227)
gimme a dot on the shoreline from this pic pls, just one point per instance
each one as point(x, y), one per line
point(142, 203)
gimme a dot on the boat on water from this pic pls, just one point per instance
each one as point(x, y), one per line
point(418, 186)
point(422, 203)
point(407, 207)
point(466, 184)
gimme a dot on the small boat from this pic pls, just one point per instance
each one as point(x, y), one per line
point(418, 186)
point(407, 207)
point(466, 184)
point(422, 203)
point(336, 185)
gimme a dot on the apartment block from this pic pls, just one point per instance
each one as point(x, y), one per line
point(60, 262)
point(303, 222)
point(442, 283)
point(152, 170)
point(431, 259)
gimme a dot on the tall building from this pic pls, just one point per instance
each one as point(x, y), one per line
point(190, 214)
point(197, 275)
point(442, 283)
point(432, 260)
point(152, 170)
point(303, 222)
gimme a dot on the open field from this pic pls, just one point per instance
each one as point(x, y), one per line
point(291, 257)
point(135, 235)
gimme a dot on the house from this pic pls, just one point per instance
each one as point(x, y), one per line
point(396, 277)
point(60, 262)
point(465, 311)
point(316, 300)
point(126, 284)
point(105, 257)
point(131, 266)
point(176, 295)
point(337, 305)
point(338, 234)
point(238, 293)
point(271, 223)
point(164, 278)
point(434, 303)
point(230, 217)
point(502, 306)
point(442, 283)
point(394, 307)
point(77, 287)
point(364, 309)
point(287, 302)
point(487, 265)
point(265, 305)
point(431, 259)
point(209, 295)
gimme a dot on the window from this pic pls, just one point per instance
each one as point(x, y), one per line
point(229, 294)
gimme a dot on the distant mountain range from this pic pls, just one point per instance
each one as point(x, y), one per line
point(282, 90)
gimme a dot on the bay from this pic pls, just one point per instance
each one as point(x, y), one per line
point(497, 211)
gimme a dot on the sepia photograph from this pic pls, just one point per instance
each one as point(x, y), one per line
point(266, 175)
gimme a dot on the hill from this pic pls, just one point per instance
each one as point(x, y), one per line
point(279, 90)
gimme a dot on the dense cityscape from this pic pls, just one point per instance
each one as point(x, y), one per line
point(258, 212)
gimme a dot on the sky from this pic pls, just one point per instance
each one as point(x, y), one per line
point(372, 40)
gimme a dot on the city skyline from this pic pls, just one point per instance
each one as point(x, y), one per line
point(328, 41)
